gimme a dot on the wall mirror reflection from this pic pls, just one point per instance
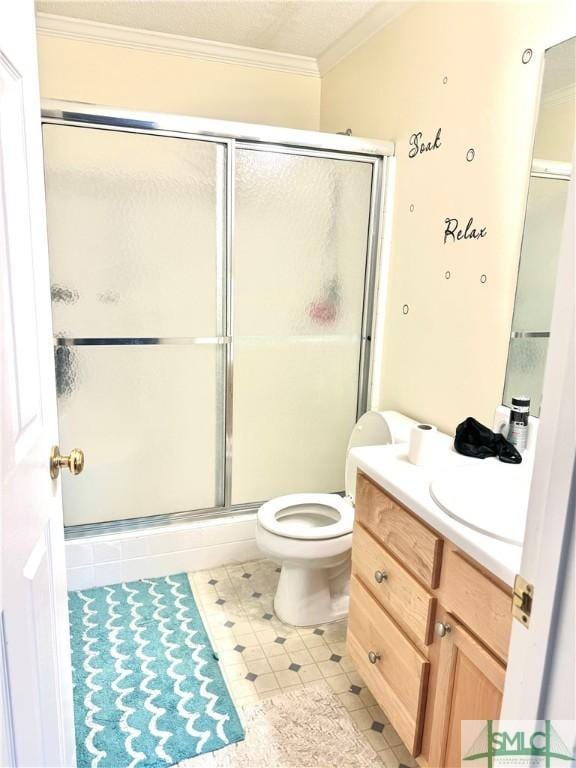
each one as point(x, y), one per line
point(543, 226)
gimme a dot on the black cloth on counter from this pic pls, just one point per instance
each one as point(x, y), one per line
point(476, 440)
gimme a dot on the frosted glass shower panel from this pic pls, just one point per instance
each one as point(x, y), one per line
point(300, 241)
point(135, 227)
point(147, 420)
point(300, 244)
point(525, 371)
point(543, 229)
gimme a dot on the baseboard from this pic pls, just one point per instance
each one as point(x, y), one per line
point(101, 560)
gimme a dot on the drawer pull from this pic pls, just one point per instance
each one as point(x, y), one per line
point(380, 576)
point(442, 629)
point(373, 657)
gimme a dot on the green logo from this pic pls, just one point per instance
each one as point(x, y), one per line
point(540, 747)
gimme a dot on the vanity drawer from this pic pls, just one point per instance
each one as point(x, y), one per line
point(414, 544)
point(483, 606)
point(394, 588)
point(398, 679)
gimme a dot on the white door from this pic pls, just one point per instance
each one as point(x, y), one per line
point(540, 675)
point(35, 672)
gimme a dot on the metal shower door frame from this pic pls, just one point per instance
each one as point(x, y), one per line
point(232, 136)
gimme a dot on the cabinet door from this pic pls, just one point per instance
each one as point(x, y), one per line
point(469, 687)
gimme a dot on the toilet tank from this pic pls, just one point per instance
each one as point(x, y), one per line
point(375, 428)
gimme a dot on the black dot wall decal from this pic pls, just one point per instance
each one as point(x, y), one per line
point(470, 155)
point(405, 309)
point(445, 80)
point(527, 55)
point(483, 278)
point(447, 274)
point(411, 207)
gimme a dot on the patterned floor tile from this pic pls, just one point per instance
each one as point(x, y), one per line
point(320, 652)
point(339, 683)
point(287, 677)
point(388, 758)
point(262, 657)
point(395, 741)
point(351, 702)
point(266, 682)
point(377, 714)
point(309, 673)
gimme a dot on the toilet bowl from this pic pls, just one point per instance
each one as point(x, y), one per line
point(310, 534)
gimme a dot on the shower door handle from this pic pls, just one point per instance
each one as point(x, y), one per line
point(74, 461)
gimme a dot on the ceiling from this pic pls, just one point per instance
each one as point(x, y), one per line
point(302, 27)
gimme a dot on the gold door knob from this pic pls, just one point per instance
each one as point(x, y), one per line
point(74, 462)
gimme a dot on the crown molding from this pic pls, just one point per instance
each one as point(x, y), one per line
point(378, 18)
point(53, 25)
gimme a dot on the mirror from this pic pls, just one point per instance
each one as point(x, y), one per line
point(548, 190)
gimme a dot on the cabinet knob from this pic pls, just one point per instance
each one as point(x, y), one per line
point(380, 576)
point(373, 657)
point(442, 629)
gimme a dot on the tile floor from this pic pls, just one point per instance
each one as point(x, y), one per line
point(260, 656)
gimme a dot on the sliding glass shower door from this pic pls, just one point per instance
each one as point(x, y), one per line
point(300, 257)
point(136, 228)
point(211, 305)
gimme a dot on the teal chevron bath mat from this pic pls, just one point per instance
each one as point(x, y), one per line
point(148, 691)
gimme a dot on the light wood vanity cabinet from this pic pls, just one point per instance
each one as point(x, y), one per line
point(428, 628)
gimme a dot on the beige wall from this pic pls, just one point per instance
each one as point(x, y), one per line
point(138, 79)
point(446, 358)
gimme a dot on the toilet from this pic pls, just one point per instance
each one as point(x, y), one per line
point(310, 534)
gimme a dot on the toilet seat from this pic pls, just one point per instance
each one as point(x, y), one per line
point(310, 534)
point(308, 516)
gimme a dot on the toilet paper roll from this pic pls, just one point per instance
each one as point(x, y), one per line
point(423, 444)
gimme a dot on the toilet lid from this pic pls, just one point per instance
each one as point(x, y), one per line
point(307, 516)
point(372, 428)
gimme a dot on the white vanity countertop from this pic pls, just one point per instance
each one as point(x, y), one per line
point(389, 467)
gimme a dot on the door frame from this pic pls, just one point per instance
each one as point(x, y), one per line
point(242, 136)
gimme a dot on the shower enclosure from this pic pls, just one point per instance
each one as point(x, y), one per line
point(212, 288)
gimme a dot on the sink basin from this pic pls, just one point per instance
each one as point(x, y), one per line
point(489, 498)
